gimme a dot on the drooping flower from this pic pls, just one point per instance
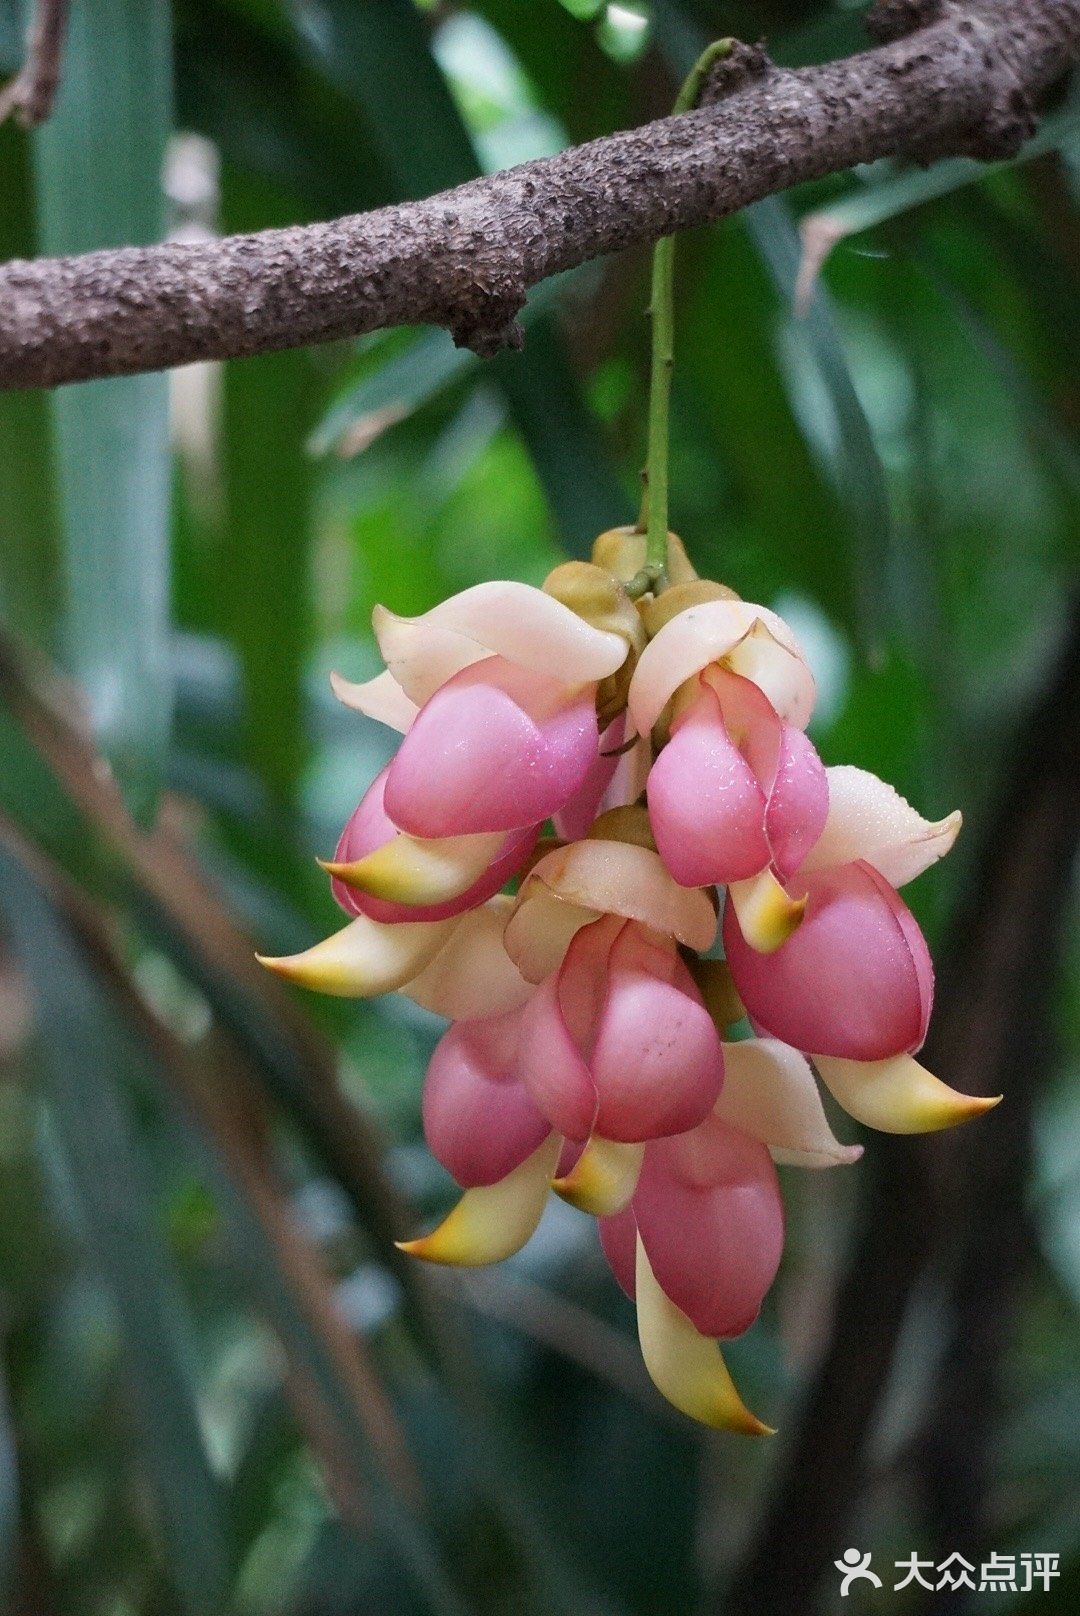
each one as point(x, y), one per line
point(429, 879)
point(587, 1051)
point(738, 791)
point(496, 693)
point(853, 985)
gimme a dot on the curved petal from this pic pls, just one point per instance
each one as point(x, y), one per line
point(573, 820)
point(472, 975)
point(365, 958)
point(869, 820)
point(620, 878)
point(770, 1093)
point(541, 929)
point(855, 980)
point(753, 642)
point(656, 1062)
point(381, 698)
point(491, 1223)
point(767, 914)
point(798, 802)
point(379, 871)
point(603, 1178)
point(479, 1121)
point(710, 1216)
point(511, 620)
point(899, 1095)
point(706, 808)
point(685, 1367)
point(496, 748)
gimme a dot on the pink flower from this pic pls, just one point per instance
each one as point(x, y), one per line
point(707, 1209)
point(584, 1054)
point(617, 1041)
point(374, 852)
point(495, 690)
point(853, 985)
point(735, 789)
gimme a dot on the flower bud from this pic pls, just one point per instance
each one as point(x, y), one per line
point(621, 551)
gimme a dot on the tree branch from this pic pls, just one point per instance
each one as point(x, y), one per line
point(959, 79)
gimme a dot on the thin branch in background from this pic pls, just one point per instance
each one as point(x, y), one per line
point(1000, 963)
point(957, 81)
point(30, 95)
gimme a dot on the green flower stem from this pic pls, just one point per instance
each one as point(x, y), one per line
point(653, 521)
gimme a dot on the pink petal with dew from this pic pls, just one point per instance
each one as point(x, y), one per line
point(753, 641)
point(706, 809)
point(573, 821)
point(497, 748)
point(656, 1059)
point(512, 620)
point(472, 975)
point(620, 878)
point(854, 980)
point(798, 803)
point(370, 828)
point(870, 820)
point(479, 1120)
point(709, 1213)
point(381, 698)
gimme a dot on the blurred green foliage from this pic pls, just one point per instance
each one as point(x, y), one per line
point(223, 1389)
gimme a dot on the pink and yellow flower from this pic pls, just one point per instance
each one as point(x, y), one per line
point(589, 1050)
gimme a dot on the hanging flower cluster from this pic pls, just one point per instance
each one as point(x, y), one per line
point(590, 1050)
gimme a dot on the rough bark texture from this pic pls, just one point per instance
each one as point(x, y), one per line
point(948, 78)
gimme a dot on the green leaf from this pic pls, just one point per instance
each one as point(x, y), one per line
point(99, 162)
point(86, 1054)
point(28, 530)
point(265, 582)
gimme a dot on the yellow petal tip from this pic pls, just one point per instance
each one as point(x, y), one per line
point(767, 915)
point(603, 1178)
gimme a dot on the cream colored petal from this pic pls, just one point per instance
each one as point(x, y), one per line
point(365, 958)
point(751, 639)
point(409, 869)
point(619, 878)
point(472, 975)
point(767, 916)
point(540, 931)
point(770, 1092)
point(507, 619)
point(492, 1223)
point(685, 1367)
point(869, 819)
point(381, 698)
point(899, 1095)
point(603, 1178)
